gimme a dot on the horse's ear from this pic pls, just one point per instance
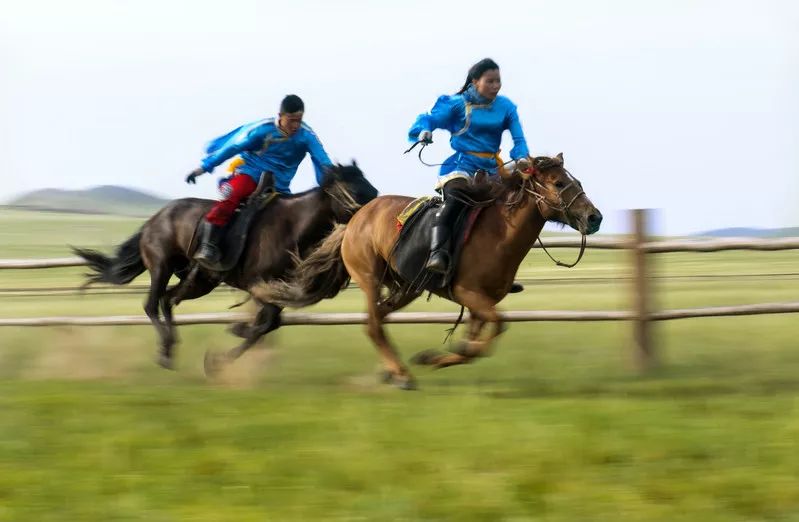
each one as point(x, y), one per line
point(560, 157)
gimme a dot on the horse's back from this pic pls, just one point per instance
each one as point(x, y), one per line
point(377, 220)
point(383, 204)
point(172, 228)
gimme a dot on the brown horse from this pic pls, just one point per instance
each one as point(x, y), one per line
point(288, 225)
point(500, 239)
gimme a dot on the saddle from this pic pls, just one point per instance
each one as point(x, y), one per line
point(412, 248)
point(238, 228)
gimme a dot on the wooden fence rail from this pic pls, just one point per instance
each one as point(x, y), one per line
point(601, 243)
point(354, 318)
point(643, 314)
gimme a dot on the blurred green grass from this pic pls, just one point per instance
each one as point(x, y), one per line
point(555, 426)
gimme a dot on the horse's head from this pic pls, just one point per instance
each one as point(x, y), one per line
point(348, 189)
point(560, 196)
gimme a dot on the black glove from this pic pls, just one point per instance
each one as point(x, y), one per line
point(191, 179)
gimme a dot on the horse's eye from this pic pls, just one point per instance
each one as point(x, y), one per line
point(559, 184)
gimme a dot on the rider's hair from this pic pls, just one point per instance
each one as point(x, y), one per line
point(291, 103)
point(477, 70)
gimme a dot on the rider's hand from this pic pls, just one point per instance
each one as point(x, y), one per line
point(426, 137)
point(192, 177)
point(525, 165)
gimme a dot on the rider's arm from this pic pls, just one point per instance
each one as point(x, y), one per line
point(439, 117)
point(319, 157)
point(253, 140)
point(513, 124)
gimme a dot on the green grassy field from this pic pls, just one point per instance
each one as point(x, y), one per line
point(555, 426)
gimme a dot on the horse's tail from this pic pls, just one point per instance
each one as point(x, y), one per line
point(118, 270)
point(319, 276)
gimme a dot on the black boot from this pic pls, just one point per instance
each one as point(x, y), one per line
point(209, 253)
point(439, 257)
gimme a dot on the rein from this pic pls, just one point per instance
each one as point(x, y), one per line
point(424, 144)
point(561, 263)
point(423, 162)
point(538, 197)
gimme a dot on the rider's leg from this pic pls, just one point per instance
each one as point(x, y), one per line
point(442, 229)
point(234, 191)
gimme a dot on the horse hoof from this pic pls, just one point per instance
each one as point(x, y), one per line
point(403, 382)
point(426, 357)
point(166, 362)
point(407, 384)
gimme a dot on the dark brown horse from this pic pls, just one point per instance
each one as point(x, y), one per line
point(287, 226)
point(499, 241)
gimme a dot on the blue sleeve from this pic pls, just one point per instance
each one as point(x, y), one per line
point(439, 117)
point(513, 124)
point(232, 148)
point(319, 157)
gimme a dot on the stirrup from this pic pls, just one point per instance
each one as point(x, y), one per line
point(208, 255)
point(442, 264)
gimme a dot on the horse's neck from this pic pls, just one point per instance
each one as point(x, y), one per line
point(522, 227)
point(313, 211)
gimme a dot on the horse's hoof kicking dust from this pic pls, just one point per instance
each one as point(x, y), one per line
point(165, 362)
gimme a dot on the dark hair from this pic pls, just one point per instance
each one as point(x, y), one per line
point(477, 70)
point(291, 103)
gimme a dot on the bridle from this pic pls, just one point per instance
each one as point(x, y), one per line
point(530, 186)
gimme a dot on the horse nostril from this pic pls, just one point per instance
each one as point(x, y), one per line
point(595, 219)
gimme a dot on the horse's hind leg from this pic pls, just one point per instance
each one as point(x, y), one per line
point(186, 289)
point(159, 278)
point(395, 370)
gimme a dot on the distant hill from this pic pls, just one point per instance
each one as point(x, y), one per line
point(752, 232)
point(107, 199)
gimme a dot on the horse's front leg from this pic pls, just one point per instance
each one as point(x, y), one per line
point(160, 273)
point(483, 312)
point(185, 290)
point(266, 320)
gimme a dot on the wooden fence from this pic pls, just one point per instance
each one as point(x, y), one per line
point(643, 314)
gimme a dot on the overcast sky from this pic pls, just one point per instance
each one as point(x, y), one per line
point(691, 107)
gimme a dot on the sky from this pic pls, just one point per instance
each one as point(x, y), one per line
point(688, 107)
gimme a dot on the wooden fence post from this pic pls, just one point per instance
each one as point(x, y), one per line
point(645, 352)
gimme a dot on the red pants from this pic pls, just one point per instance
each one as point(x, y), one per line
point(233, 191)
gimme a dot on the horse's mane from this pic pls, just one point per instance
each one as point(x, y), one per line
point(296, 195)
point(482, 190)
point(333, 174)
point(511, 189)
point(339, 172)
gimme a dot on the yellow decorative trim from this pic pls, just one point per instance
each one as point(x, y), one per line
point(411, 209)
point(236, 163)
